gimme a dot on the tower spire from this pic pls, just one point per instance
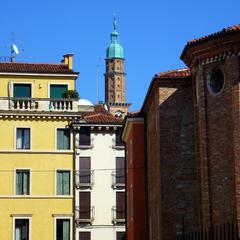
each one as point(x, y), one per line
point(115, 23)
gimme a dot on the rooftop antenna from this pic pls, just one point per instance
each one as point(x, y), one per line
point(14, 49)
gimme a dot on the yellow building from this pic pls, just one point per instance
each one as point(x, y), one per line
point(36, 150)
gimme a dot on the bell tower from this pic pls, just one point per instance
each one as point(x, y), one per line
point(115, 87)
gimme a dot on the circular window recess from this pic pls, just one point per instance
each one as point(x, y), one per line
point(216, 82)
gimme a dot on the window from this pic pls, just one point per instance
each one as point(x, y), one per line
point(85, 136)
point(21, 229)
point(120, 236)
point(120, 205)
point(84, 235)
point(63, 229)
point(85, 205)
point(22, 182)
point(21, 90)
point(57, 90)
point(63, 139)
point(85, 170)
point(63, 182)
point(23, 138)
point(120, 170)
point(216, 82)
point(119, 141)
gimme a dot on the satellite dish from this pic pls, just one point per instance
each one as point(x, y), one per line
point(15, 49)
point(106, 107)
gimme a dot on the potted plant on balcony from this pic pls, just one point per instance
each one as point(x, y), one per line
point(71, 94)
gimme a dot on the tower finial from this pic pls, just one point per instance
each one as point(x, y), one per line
point(114, 22)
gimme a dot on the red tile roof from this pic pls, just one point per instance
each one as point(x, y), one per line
point(20, 67)
point(101, 116)
point(224, 31)
point(178, 73)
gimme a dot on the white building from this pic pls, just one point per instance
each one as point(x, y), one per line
point(100, 176)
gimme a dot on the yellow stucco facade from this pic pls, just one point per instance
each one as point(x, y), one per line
point(42, 206)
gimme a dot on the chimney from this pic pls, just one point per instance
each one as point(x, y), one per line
point(68, 59)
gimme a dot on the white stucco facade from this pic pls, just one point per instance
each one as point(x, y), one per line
point(102, 153)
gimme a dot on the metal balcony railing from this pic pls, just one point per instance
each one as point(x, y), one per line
point(118, 178)
point(84, 214)
point(118, 214)
point(84, 178)
point(38, 104)
point(117, 145)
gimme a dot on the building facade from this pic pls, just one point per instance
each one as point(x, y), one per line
point(36, 150)
point(100, 176)
point(191, 122)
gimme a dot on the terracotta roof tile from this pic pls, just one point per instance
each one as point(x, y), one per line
point(100, 115)
point(34, 67)
point(178, 73)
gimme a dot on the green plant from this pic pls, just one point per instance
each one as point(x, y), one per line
point(70, 94)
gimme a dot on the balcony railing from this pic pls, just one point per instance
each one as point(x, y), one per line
point(84, 215)
point(118, 215)
point(39, 104)
point(84, 179)
point(117, 145)
point(118, 178)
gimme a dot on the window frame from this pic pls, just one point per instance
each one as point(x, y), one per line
point(20, 218)
point(30, 137)
point(56, 140)
point(90, 139)
point(70, 183)
point(79, 232)
point(12, 87)
point(55, 83)
point(55, 225)
point(15, 182)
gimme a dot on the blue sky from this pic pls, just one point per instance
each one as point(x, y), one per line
point(153, 34)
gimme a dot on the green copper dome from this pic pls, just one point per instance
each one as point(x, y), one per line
point(115, 50)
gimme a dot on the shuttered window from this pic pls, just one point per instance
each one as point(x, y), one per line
point(63, 139)
point(56, 91)
point(23, 138)
point(84, 235)
point(120, 236)
point(85, 139)
point(85, 170)
point(63, 229)
point(22, 182)
point(119, 141)
point(85, 205)
point(21, 90)
point(63, 182)
point(120, 205)
point(120, 170)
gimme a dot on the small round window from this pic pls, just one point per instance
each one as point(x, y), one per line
point(216, 82)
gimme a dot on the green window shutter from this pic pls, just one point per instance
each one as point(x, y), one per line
point(60, 139)
point(63, 139)
point(22, 90)
point(66, 183)
point(59, 183)
point(56, 91)
point(66, 229)
point(18, 183)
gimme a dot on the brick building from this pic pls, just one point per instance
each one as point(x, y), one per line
point(191, 119)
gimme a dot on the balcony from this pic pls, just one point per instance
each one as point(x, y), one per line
point(84, 179)
point(118, 179)
point(84, 215)
point(39, 104)
point(118, 215)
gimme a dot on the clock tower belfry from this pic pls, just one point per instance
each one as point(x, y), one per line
point(115, 86)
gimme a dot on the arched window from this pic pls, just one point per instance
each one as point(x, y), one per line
point(216, 82)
